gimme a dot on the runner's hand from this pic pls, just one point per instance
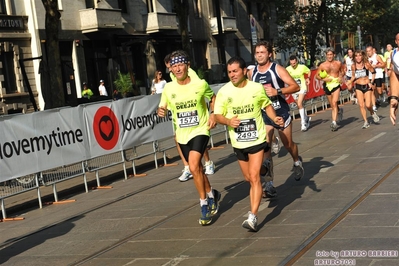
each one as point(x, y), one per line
point(211, 121)
point(234, 122)
point(278, 120)
point(161, 111)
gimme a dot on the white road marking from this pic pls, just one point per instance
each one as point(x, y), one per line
point(343, 157)
point(376, 137)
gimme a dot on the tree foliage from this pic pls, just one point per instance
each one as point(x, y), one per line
point(306, 29)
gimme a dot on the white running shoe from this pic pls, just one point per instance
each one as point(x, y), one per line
point(251, 223)
point(186, 175)
point(276, 145)
point(209, 168)
point(366, 125)
point(333, 126)
point(306, 125)
point(376, 118)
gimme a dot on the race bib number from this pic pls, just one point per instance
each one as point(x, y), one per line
point(188, 119)
point(246, 131)
point(298, 81)
point(276, 105)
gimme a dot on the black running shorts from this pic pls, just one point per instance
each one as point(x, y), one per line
point(198, 143)
point(242, 154)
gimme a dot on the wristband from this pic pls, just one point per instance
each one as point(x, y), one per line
point(279, 92)
point(393, 97)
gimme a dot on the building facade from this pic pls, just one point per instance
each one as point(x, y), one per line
point(98, 38)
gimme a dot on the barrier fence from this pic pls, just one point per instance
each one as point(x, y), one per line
point(111, 133)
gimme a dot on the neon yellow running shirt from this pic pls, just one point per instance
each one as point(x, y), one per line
point(189, 110)
point(298, 75)
point(247, 103)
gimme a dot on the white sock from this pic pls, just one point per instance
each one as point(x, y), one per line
point(210, 194)
point(303, 115)
point(203, 202)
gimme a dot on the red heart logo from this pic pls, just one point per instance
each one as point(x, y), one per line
point(106, 127)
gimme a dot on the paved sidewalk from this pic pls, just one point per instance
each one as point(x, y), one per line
point(155, 218)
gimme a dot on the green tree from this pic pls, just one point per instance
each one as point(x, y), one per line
point(52, 21)
point(375, 18)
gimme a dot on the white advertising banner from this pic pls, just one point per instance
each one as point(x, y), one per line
point(142, 124)
point(40, 141)
point(119, 125)
point(103, 127)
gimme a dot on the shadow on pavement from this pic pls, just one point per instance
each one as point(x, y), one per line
point(292, 190)
point(35, 239)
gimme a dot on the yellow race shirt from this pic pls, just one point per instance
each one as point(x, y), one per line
point(246, 103)
point(189, 110)
point(298, 74)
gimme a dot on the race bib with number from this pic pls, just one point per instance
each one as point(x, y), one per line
point(188, 119)
point(298, 81)
point(247, 130)
point(276, 105)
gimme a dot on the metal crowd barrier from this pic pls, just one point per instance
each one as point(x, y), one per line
point(141, 151)
point(219, 129)
point(164, 145)
point(53, 176)
point(17, 186)
point(102, 162)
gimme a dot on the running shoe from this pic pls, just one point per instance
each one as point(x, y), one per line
point(209, 168)
point(269, 191)
point(267, 164)
point(306, 125)
point(333, 126)
point(298, 169)
point(251, 223)
point(214, 202)
point(376, 118)
point(340, 114)
point(206, 217)
point(276, 145)
point(185, 176)
point(366, 125)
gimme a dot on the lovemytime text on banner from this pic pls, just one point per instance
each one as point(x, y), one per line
point(35, 142)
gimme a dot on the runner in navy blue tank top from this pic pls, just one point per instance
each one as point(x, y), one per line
point(277, 81)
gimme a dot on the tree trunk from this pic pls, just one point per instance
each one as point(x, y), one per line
point(182, 12)
point(315, 30)
point(52, 23)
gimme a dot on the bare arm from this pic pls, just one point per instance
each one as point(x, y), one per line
point(212, 120)
point(272, 115)
point(380, 63)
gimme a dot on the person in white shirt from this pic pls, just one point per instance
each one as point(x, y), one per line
point(101, 89)
point(157, 83)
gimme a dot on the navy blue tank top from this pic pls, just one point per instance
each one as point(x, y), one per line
point(271, 77)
